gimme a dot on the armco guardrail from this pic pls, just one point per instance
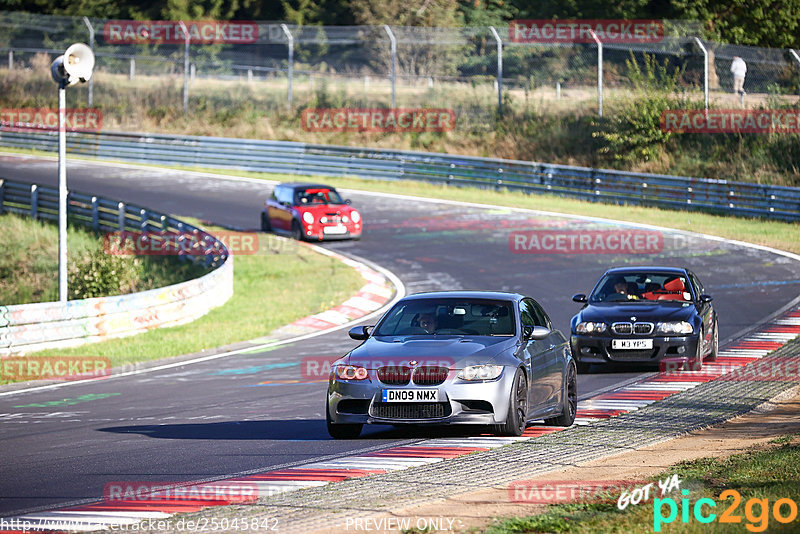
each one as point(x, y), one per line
point(30, 327)
point(734, 198)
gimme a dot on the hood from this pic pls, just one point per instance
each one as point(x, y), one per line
point(650, 312)
point(325, 209)
point(454, 352)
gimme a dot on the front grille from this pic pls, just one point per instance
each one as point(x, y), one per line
point(395, 375)
point(430, 375)
point(622, 328)
point(633, 355)
point(643, 328)
point(411, 410)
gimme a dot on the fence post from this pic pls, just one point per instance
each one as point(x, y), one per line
point(290, 73)
point(599, 73)
point(499, 69)
point(91, 45)
point(186, 39)
point(34, 201)
point(95, 214)
point(132, 70)
point(10, 60)
point(121, 217)
point(791, 51)
point(705, 69)
point(143, 220)
point(393, 49)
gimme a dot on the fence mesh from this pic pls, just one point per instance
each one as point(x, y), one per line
point(456, 68)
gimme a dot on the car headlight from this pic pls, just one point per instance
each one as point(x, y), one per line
point(480, 372)
point(674, 327)
point(308, 217)
point(589, 327)
point(351, 372)
point(355, 216)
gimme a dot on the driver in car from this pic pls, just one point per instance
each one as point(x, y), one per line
point(428, 322)
point(621, 288)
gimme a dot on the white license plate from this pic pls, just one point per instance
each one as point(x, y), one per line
point(335, 230)
point(640, 344)
point(410, 395)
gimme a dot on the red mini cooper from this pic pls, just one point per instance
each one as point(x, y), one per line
point(311, 212)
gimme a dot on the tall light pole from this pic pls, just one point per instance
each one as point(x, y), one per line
point(76, 65)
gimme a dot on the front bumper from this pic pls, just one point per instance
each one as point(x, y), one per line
point(461, 402)
point(597, 349)
point(317, 232)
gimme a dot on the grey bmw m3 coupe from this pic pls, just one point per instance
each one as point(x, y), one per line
point(455, 357)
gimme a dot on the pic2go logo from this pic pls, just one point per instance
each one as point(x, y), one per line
point(756, 511)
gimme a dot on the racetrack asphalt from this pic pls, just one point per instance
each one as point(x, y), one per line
point(258, 411)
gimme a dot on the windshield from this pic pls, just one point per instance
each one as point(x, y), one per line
point(448, 316)
point(318, 196)
point(636, 287)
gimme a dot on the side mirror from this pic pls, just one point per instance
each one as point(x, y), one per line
point(540, 332)
point(534, 332)
point(705, 298)
point(580, 297)
point(360, 333)
point(348, 201)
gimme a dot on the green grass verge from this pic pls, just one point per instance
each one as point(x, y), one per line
point(270, 290)
point(29, 264)
point(772, 473)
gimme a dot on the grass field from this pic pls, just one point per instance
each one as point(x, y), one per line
point(534, 126)
point(29, 263)
point(761, 478)
point(270, 290)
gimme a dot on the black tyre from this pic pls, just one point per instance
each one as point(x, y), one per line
point(569, 401)
point(265, 225)
point(712, 356)
point(697, 363)
point(341, 431)
point(297, 231)
point(517, 418)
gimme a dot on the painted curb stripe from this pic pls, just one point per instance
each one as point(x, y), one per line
point(623, 400)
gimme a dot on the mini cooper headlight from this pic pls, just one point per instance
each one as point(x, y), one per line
point(674, 327)
point(351, 372)
point(308, 217)
point(355, 216)
point(480, 372)
point(591, 328)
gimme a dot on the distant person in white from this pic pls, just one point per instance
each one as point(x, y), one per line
point(738, 69)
